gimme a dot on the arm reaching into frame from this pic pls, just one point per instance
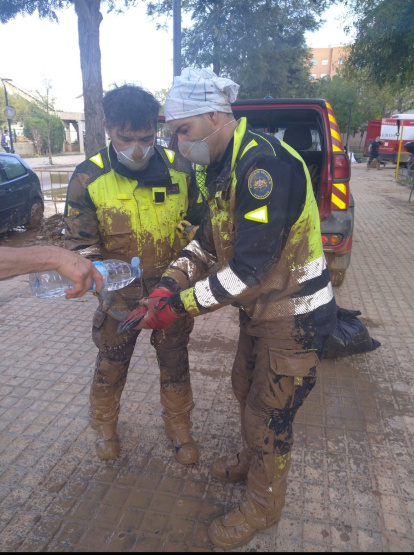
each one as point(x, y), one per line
point(24, 260)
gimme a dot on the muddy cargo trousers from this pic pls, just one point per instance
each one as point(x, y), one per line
point(111, 370)
point(271, 378)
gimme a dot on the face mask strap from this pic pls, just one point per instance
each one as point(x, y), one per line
point(211, 134)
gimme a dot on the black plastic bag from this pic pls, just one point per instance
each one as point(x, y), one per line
point(350, 336)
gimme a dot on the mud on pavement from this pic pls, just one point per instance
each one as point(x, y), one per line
point(351, 486)
point(49, 233)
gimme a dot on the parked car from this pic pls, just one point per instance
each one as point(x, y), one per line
point(309, 126)
point(21, 199)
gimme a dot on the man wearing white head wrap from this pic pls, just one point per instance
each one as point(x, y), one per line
point(263, 232)
point(198, 91)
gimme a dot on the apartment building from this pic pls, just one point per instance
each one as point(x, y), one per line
point(327, 61)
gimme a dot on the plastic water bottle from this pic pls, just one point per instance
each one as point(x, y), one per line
point(116, 274)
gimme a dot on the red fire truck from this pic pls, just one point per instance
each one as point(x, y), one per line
point(389, 130)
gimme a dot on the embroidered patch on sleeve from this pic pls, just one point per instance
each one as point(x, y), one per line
point(260, 184)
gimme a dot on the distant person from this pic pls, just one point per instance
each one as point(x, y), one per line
point(374, 153)
point(24, 260)
point(5, 141)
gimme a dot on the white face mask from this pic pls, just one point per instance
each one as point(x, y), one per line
point(129, 157)
point(198, 151)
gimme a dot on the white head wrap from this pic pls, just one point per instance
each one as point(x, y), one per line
point(198, 91)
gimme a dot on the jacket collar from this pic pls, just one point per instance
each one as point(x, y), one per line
point(220, 175)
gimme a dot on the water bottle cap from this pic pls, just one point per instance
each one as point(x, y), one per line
point(135, 265)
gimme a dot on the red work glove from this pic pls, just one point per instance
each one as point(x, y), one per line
point(132, 320)
point(157, 311)
point(160, 315)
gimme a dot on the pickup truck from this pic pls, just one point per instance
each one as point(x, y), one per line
point(309, 126)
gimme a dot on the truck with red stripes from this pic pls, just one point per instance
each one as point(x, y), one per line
point(309, 126)
point(391, 130)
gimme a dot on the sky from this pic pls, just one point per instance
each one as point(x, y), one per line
point(132, 51)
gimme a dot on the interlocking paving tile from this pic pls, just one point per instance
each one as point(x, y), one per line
point(351, 486)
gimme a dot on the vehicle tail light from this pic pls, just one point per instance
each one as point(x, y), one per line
point(340, 167)
point(340, 185)
point(331, 240)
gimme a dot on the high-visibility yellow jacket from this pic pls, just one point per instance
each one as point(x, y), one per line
point(112, 212)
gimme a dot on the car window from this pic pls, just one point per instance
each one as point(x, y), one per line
point(162, 141)
point(279, 133)
point(12, 167)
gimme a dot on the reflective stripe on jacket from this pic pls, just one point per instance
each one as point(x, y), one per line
point(296, 284)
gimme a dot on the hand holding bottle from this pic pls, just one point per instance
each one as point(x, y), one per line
point(82, 272)
point(112, 275)
point(15, 261)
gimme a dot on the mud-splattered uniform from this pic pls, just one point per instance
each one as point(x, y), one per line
point(112, 212)
point(264, 233)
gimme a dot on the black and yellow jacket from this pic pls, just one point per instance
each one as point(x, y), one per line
point(112, 212)
point(263, 233)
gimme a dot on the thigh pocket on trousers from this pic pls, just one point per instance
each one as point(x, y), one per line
point(98, 318)
point(293, 375)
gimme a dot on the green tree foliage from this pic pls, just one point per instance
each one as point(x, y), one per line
point(35, 128)
point(339, 93)
point(384, 44)
point(258, 43)
point(368, 99)
point(21, 105)
point(161, 96)
point(89, 20)
point(163, 129)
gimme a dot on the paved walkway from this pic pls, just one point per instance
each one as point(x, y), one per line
point(351, 487)
point(66, 160)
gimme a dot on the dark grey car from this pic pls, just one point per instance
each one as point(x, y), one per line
point(21, 199)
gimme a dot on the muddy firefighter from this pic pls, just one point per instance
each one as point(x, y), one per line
point(126, 201)
point(263, 230)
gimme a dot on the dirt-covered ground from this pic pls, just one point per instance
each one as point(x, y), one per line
point(49, 233)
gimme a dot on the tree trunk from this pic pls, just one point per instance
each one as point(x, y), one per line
point(89, 20)
point(37, 140)
point(49, 145)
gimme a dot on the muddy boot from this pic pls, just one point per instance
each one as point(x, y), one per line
point(231, 469)
point(231, 530)
point(178, 430)
point(107, 444)
point(234, 469)
point(260, 508)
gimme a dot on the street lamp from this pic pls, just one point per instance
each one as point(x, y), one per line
point(8, 112)
point(349, 102)
point(176, 37)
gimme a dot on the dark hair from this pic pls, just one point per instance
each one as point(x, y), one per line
point(130, 106)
